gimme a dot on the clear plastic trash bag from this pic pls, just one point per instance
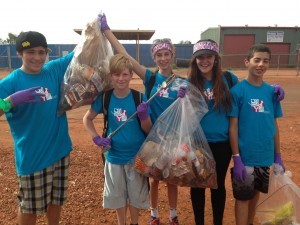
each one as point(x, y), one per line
point(176, 149)
point(87, 74)
point(281, 205)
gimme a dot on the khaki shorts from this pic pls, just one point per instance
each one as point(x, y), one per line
point(123, 185)
point(48, 186)
point(257, 180)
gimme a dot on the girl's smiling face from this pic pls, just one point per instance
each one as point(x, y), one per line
point(205, 64)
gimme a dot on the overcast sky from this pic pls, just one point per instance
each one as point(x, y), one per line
point(180, 20)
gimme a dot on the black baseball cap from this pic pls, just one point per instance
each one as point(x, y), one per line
point(31, 39)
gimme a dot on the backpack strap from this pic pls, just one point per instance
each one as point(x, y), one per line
point(152, 82)
point(228, 78)
point(150, 86)
point(105, 104)
point(137, 97)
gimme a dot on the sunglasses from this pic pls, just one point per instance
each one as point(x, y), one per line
point(164, 40)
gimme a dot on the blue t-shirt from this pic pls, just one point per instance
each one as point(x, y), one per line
point(40, 136)
point(215, 123)
point(127, 141)
point(162, 100)
point(256, 108)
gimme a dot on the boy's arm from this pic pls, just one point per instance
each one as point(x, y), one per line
point(142, 111)
point(239, 170)
point(119, 48)
point(90, 127)
point(21, 97)
point(146, 125)
point(89, 124)
point(277, 154)
point(276, 138)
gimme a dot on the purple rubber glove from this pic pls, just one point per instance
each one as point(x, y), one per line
point(239, 170)
point(102, 142)
point(142, 110)
point(279, 91)
point(27, 96)
point(102, 22)
point(181, 92)
point(278, 161)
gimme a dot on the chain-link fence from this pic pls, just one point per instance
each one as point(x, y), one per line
point(236, 61)
point(10, 60)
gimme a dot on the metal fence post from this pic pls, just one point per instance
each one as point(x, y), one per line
point(8, 57)
point(278, 63)
point(298, 62)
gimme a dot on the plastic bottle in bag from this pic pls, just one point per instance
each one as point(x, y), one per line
point(192, 156)
point(162, 161)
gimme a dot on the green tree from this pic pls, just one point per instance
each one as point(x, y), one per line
point(11, 38)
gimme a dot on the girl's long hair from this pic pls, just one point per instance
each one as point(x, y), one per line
point(222, 97)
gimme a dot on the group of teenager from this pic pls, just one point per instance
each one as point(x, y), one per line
point(241, 124)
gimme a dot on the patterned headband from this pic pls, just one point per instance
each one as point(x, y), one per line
point(161, 46)
point(206, 45)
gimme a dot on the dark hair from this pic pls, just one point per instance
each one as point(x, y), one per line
point(222, 97)
point(258, 48)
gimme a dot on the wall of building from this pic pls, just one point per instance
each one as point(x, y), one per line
point(211, 33)
point(281, 40)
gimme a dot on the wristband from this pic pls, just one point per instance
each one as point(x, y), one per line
point(236, 155)
point(5, 105)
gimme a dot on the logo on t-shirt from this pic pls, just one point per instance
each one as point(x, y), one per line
point(164, 93)
point(209, 93)
point(47, 93)
point(257, 105)
point(120, 114)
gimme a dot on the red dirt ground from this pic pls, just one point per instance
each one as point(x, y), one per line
point(84, 205)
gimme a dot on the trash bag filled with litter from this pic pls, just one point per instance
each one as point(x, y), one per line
point(176, 149)
point(87, 75)
point(281, 205)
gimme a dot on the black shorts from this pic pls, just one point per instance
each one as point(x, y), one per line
point(256, 180)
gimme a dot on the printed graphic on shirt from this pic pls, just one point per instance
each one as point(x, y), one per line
point(209, 93)
point(120, 114)
point(164, 93)
point(174, 86)
point(257, 105)
point(47, 93)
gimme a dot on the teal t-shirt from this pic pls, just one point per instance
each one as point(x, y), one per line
point(215, 123)
point(40, 136)
point(256, 108)
point(127, 141)
point(165, 97)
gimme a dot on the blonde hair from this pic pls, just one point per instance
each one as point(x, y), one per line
point(118, 63)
